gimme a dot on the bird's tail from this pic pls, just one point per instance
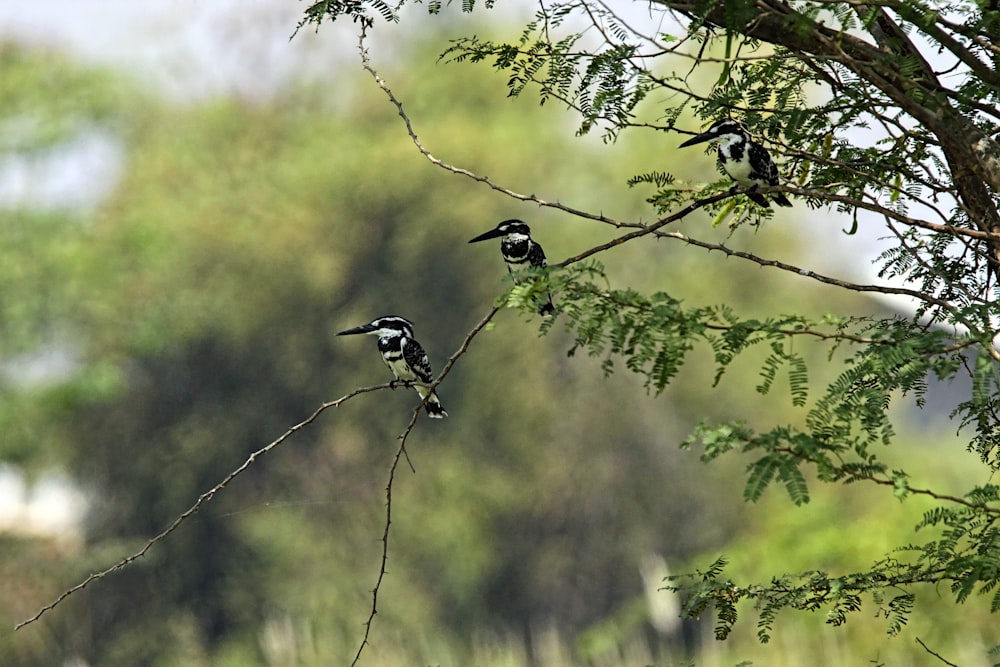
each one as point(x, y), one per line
point(546, 307)
point(433, 404)
point(759, 199)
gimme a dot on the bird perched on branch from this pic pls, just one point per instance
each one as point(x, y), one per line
point(404, 356)
point(519, 250)
point(744, 160)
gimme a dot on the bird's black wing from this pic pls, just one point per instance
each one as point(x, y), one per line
point(417, 360)
point(767, 171)
point(536, 256)
point(762, 163)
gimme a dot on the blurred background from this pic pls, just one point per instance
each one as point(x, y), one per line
point(191, 205)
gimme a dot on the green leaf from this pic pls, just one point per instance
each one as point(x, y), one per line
point(795, 482)
point(762, 471)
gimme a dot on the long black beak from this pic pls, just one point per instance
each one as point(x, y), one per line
point(364, 328)
point(492, 234)
point(704, 136)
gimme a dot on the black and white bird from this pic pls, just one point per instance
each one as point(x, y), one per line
point(519, 251)
point(404, 356)
point(747, 162)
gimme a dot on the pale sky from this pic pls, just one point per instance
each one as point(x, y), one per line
point(187, 47)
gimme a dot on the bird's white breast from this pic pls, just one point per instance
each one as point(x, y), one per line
point(738, 169)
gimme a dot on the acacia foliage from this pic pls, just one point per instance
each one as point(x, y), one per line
point(883, 111)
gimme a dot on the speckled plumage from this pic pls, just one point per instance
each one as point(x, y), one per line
point(742, 159)
point(519, 251)
point(404, 356)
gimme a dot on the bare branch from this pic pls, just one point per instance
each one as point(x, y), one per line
point(385, 533)
point(202, 499)
point(936, 655)
point(854, 287)
point(366, 64)
point(652, 228)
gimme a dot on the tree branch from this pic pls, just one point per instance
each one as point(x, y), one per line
point(936, 655)
point(202, 499)
point(366, 64)
point(385, 533)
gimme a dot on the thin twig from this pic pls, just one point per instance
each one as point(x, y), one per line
point(366, 64)
point(936, 655)
point(385, 533)
point(854, 476)
point(855, 287)
point(465, 343)
point(392, 474)
point(651, 228)
point(202, 499)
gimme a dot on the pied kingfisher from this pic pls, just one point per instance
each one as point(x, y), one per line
point(518, 249)
point(404, 357)
point(747, 162)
